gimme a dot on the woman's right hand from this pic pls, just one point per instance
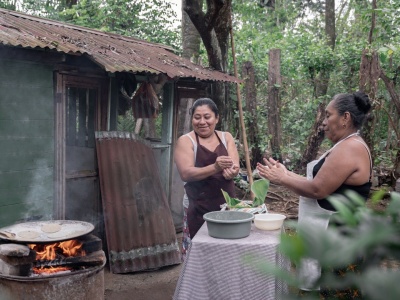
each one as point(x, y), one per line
point(223, 162)
point(272, 170)
point(230, 173)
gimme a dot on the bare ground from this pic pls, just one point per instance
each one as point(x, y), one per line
point(149, 285)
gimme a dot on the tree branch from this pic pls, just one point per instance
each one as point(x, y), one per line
point(390, 87)
point(373, 22)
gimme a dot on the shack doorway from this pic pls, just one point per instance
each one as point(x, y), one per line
point(81, 109)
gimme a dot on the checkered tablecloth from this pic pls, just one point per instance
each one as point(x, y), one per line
point(214, 268)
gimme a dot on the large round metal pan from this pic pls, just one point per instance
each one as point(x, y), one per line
point(45, 231)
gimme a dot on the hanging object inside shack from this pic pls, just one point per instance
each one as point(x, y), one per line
point(145, 102)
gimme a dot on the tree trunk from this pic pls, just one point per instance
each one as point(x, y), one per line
point(213, 27)
point(69, 3)
point(250, 92)
point(395, 123)
point(315, 139)
point(392, 91)
point(396, 168)
point(370, 72)
point(320, 89)
point(369, 75)
point(219, 95)
point(190, 50)
point(274, 103)
point(190, 37)
point(330, 26)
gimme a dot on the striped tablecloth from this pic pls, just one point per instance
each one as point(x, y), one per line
point(214, 268)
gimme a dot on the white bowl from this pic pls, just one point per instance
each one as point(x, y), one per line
point(269, 221)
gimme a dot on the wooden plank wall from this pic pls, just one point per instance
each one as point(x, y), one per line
point(26, 141)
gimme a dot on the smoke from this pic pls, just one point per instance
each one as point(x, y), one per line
point(39, 199)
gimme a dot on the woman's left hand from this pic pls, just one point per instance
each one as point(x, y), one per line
point(230, 173)
point(272, 170)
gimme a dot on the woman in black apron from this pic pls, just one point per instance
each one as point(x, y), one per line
point(207, 161)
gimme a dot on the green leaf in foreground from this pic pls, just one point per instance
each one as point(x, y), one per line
point(232, 202)
point(260, 189)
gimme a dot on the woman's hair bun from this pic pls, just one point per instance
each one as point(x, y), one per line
point(362, 101)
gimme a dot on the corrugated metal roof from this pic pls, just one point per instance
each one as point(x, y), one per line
point(113, 52)
point(140, 231)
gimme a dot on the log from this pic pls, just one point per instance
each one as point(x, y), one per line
point(93, 259)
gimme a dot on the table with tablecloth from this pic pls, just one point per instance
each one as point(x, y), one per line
point(216, 268)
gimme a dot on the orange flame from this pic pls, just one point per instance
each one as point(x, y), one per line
point(65, 248)
point(50, 251)
point(50, 270)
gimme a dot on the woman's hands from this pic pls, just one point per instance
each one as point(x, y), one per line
point(273, 170)
point(223, 162)
point(228, 167)
point(230, 173)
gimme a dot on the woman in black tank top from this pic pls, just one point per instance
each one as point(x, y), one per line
point(363, 189)
point(347, 165)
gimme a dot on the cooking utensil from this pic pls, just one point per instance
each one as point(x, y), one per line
point(7, 235)
point(40, 231)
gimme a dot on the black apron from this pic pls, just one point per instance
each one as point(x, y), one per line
point(206, 195)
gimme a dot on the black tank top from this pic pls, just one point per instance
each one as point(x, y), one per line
point(363, 189)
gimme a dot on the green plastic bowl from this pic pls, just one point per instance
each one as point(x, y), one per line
point(228, 224)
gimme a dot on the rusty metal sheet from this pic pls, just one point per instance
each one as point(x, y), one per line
point(140, 231)
point(113, 52)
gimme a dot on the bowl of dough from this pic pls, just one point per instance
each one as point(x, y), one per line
point(269, 221)
point(228, 224)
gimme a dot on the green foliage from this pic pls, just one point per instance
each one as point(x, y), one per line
point(297, 29)
point(294, 27)
point(8, 4)
point(372, 235)
point(126, 122)
point(231, 201)
point(259, 188)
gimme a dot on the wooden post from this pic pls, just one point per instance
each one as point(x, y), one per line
point(246, 148)
point(274, 86)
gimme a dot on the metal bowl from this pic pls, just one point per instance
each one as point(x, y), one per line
point(228, 224)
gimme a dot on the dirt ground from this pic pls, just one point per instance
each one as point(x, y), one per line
point(160, 284)
point(149, 285)
point(156, 284)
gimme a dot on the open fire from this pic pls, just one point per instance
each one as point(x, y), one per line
point(40, 264)
point(48, 255)
point(55, 258)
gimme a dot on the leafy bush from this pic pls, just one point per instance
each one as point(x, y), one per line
point(366, 233)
